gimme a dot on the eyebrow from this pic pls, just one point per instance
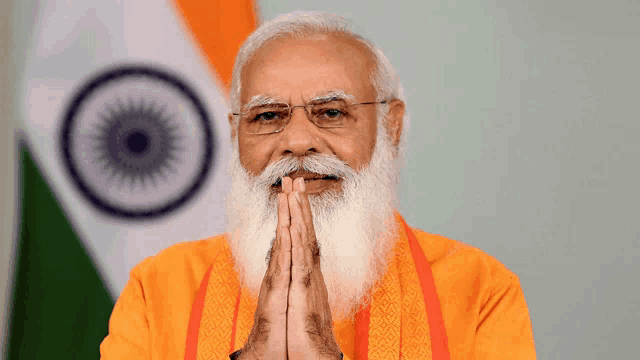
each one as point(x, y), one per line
point(331, 96)
point(266, 99)
point(260, 100)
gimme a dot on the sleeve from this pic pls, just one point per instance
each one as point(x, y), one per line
point(128, 336)
point(504, 330)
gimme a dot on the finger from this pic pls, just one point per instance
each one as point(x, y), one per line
point(296, 183)
point(299, 269)
point(305, 225)
point(284, 258)
point(296, 214)
point(305, 206)
point(277, 275)
point(284, 223)
point(284, 218)
point(287, 185)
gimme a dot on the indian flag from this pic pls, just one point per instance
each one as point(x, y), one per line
point(123, 148)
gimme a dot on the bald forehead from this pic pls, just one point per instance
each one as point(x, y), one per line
point(323, 62)
point(332, 43)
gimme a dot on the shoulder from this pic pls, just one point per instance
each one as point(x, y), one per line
point(188, 252)
point(183, 263)
point(482, 302)
point(469, 281)
point(155, 305)
point(454, 259)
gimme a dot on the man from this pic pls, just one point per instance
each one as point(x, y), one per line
point(316, 126)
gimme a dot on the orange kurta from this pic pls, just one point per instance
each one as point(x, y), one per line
point(484, 310)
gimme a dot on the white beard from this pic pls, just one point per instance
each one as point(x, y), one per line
point(355, 228)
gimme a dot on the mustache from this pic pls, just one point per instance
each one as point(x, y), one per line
point(328, 165)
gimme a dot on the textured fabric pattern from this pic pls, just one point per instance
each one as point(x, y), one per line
point(385, 319)
point(248, 306)
point(416, 339)
point(214, 336)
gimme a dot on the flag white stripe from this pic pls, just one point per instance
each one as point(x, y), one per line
point(72, 40)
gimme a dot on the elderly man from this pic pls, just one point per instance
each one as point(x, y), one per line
point(316, 126)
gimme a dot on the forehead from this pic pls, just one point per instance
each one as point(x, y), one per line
point(298, 69)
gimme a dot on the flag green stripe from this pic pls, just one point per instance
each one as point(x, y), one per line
point(60, 307)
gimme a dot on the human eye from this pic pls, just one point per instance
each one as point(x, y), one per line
point(268, 114)
point(333, 111)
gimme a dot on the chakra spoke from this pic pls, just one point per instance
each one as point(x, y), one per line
point(131, 107)
point(171, 168)
point(149, 142)
point(98, 148)
point(178, 149)
point(112, 174)
point(96, 137)
point(153, 180)
point(121, 181)
point(162, 173)
point(158, 114)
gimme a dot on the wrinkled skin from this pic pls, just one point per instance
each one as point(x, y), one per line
point(293, 318)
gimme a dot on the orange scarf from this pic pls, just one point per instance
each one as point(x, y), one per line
point(403, 319)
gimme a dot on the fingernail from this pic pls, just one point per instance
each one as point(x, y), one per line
point(303, 186)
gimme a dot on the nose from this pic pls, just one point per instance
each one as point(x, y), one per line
point(300, 137)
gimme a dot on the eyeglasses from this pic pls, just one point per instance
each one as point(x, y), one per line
point(273, 118)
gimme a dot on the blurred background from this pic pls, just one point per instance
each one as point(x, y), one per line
point(524, 141)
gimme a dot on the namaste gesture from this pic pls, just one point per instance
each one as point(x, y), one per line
point(293, 318)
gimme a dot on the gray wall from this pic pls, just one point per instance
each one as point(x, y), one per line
point(525, 142)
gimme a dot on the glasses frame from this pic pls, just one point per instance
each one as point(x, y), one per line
point(306, 111)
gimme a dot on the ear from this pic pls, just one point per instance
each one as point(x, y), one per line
point(395, 119)
point(232, 126)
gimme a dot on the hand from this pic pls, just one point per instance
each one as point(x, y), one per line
point(268, 337)
point(309, 323)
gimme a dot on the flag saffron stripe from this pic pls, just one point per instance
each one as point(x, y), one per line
point(219, 28)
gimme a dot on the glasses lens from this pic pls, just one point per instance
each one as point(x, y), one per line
point(266, 119)
point(331, 114)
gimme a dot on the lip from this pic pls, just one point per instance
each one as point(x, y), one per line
point(307, 176)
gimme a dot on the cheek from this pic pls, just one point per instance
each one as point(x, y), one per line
point(253, 157)
point(358, 150)
point(368, 142)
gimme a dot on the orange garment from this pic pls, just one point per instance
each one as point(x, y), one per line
point(403, 317)
point(484, 310)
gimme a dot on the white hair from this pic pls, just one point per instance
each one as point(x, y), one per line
point(356, 229)
point(300, 24)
